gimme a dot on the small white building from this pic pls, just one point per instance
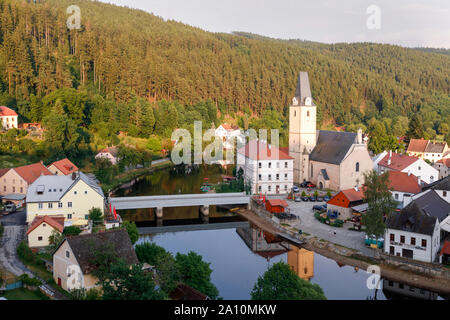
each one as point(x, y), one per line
point(110, 153)
point(268, 169)
point(443, 166)
point(401, 162)
point(8, 118)
point(227, 133)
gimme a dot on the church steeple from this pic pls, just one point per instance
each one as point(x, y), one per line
point(303, 95)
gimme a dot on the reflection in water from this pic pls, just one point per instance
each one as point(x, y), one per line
point(395, 290)
point(301, 262)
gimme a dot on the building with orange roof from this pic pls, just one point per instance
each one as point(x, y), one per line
point(62, 167)
point(41, 228)
point(110, 153)
point(343, 202)
point(17, 180)
point(8, 118)
point(443, 166)
point(392, 161)
point(403, 185)
point(427, 149)
point(268, 169)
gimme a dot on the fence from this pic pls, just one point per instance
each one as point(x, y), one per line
point(11, 284)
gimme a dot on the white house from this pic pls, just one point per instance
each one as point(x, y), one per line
point(403, 186)
point(110, 153)
point(8, 118)
point(401, 162)
point(267, 168)
point(413, 234)
point(443, 166)
point(227, 132)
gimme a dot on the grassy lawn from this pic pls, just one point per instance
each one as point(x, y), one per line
point(24, 294)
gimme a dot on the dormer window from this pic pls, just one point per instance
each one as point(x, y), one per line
point(308, 101)
point(294, 101)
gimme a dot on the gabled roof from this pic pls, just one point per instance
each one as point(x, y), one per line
point(3, 171)
point(445, 162)
point(433, 205)
point(32, 172)
point(332, 146)
point(84, 247)
point(442, 184)
point(435, 147)
point(5, 111)
point(53, 188)
point(412, 219)
point(56, 222)
point(257, 150)
point(278, 203)
point(111, 150)
point(65, 166)
point(353, 195)
point(417, 145)
point(398, 161)
point(402, 182)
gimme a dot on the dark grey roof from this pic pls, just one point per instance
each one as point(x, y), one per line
point(84, 247)
point(442, 184)
point(303, 89)
point(435, 147)
point(412, 219)
point(325, 174)
point(332, 146)
point(433, 205)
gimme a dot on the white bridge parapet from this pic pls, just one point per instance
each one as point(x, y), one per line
point(179, 200)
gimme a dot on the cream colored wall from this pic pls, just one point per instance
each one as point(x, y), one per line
point(332, 171)
point(53, 169)
point(9, 122)
point(12, 179)
point(81, 204)
point(44, 230)
point(61, 266)
point(349, 177)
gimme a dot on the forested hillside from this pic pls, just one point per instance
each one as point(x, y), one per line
point(132, 71)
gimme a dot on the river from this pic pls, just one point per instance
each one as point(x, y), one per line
point(238, 256)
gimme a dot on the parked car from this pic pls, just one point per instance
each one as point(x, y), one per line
point(10, 208)
point(311, 185)
point(295, 189)
point(326, 198)
point(297, 199)
point(317, 207)
point(319, 199)
point(304, 184)
point(312, 199)
point(305, 198)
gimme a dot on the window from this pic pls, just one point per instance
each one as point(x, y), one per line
point(270, 177)
point(285, 176)
point(259, 177)
point(424, 242)
point(39, 238)
point(40, 205)
point(419, 168)
point(270, 165)
point(75, 192)
point(69, 216)
point(260, 165)
point(285, 187)
point(278, 165)
point(60, 205)
point(307, 113)
point(43, 224)
point(278, 176)
point(259, 188)
point(21, 189)
point(67, 254)
point(402, 239)
point(285, 164)
point(269, 188)
point(396, 196)
point(312, 171)
point(14, 189)
point(69, 204)
point(85, 192)
point(413, 241)
point(444, 193)
point(392, 237)
point(357, 167)
point(50, 205)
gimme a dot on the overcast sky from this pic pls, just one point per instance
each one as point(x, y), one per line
point(410, 23)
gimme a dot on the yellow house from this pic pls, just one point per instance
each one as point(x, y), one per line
point(62, 167)
point(42, 228)
point(73, 259)
point(71, 196)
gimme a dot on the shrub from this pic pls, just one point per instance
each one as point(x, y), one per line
point(26, 280)
point(25, 253)
point(71, 231)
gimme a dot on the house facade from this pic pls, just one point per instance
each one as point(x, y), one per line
point(401, 162)
point(427, 150)
point(403, 185)
point(267, 169)
point(110, 153)
point(73, 259)
point(71, 196)
point(17, 180)
point(41, 229)
point(443, 166)
point(8, 118)
point(330, 159)
point(343, 202)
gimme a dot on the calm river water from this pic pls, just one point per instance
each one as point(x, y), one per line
point(235, 265)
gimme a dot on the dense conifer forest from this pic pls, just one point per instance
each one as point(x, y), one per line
point(128, 70)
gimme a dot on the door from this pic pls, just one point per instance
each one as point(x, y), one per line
point(59, 282)
point(391, 250)
point(406, 253)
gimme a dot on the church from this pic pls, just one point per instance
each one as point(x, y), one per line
point(330, 159)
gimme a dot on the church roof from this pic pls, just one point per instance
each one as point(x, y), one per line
point(303, 89)
point(332, 146)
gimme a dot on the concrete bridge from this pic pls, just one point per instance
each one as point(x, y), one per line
point(203, 200)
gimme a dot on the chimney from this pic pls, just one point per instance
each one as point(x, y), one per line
point(359, 136)
point(74, 175)
point(409, 173)
point(390, 156)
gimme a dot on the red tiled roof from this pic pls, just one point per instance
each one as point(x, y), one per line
point(258, 150)
point(228, 127)
point(398, 161)
point(32, 171)
point(56, 222)
point(111, 150)
point(270, 254)
point(445, 162)
point(417, 145)
point(3, 171)
point(353, 195)
point(5, 111)
point(65, 166)
point(278, 202)
point(402, 182)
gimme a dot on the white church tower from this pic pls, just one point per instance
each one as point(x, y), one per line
point(302, 128)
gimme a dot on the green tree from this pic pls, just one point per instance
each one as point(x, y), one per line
point(71, 231)
point(55, 238)
point(380, 202)
point(132, 230)
point(415, 128)
point(96, 216)
point(279, 282)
